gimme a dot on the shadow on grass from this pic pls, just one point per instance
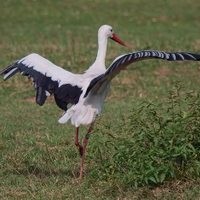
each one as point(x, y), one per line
point(40, 172)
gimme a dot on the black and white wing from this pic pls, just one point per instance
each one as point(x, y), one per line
point(122, 61)
point(47, 79)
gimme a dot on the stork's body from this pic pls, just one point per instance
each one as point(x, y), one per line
point(85, 92)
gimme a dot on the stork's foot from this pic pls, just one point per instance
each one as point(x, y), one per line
point(81, 174)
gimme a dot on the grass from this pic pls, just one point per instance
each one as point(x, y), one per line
point(38, 157)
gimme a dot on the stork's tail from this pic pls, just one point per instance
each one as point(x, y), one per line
point(66, 116)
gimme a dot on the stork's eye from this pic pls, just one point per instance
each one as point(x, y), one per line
point(111, 30)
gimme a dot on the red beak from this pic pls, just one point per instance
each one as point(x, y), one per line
point(116, 39)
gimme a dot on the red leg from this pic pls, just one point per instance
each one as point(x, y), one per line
point(85, 142)
point(77, 142)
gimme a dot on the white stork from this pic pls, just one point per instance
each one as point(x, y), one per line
point(85, 92)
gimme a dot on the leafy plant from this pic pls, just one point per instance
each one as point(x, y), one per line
point(163, 142)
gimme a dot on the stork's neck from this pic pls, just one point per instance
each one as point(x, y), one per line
point(101, 54)
point(99, 63)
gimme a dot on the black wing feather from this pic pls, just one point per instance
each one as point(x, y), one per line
point(40, 96)
point(121, 62)
point(63, 94)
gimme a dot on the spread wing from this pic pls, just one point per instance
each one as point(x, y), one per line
point(122, 61)
point(47, 79)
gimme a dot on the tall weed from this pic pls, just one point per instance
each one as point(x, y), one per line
point(156, 142)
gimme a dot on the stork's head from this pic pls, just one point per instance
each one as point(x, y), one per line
point(108, 32)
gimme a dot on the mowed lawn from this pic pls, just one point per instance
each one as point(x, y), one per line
point(38, 158)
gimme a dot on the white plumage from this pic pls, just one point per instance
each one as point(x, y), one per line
point(85, 92)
